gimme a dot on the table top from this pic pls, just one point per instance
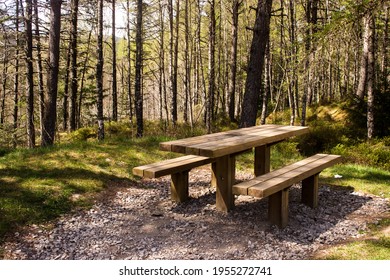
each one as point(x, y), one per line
point(233, 141)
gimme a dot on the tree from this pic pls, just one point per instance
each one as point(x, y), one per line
point(233, 59)
point(73, 65)
point(99, 72)
point(30, 75)
point(138, 70)
point(39, 65)
point(173, 51)
point(114, 75)
point(256, 63)
point(50, 114)
point(211, 68)
point(16, 77)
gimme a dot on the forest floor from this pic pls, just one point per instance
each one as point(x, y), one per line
point(137, 220)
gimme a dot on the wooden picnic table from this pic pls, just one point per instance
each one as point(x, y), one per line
point(224, 146)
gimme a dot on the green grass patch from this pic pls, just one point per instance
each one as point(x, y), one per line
point(362, 178)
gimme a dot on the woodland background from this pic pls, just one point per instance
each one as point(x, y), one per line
point(65, 65)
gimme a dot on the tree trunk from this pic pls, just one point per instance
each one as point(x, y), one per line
point(233, 60)
point(114, 72)
point(369, 31)
point(267, 85)
point(16, 80)
point(211, 69)
point(65, 103)
point(73, 67)
point(50, 114)
point(30, 75)
point(129, 92)
point(99, 73)
point(39, 65)
point(256, 63)
point(187, 77)
point(4, 81)
point(138, 70)
point(173, 46)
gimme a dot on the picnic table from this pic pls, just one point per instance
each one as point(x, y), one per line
point(223, 147)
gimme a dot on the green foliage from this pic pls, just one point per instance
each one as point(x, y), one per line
point(323, 136)
point(83, 134)
point(375, 153)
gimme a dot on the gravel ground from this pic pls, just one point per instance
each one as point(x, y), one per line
point(140, 222)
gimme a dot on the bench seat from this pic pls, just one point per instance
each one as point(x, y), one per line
point(178, 168)
point(276, 184)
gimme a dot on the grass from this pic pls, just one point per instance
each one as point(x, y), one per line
point(366, 179)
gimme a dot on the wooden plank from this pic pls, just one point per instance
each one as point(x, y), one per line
point(170, 166)
point(242, 188)
point(278, 183)
point(166, 169)
point(237, 144)
point(212, 141)
point(168, 146)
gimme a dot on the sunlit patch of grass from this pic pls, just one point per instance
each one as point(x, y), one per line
point(362, 178)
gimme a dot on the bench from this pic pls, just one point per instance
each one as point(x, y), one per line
point(276, 184)
point(178, 168)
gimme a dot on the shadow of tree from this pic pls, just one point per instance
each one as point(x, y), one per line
point(38, 195)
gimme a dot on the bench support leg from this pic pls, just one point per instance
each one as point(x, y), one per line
point(310, 191)
point(179, 186)
point(278, 208)
point(223, 176)
point(262, 160)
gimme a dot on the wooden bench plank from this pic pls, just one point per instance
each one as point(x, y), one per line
point(276, 184)
point(242, 188)
point(170, 166)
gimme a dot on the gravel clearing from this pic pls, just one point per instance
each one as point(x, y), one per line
point(139, 222)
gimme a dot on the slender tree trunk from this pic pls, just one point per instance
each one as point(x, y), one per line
point(138, 69)
point(65, 103)
point(187, 77)
point(39, 65)
point(211, 68)
point(50, 115)
point(30, 75)
point(129, 91)
point(267, 85)
point(84, 71)
point(174, 40)
point(73, 66)
point(256, 63)
point(16, 79)
point(4, 80)
point(369, 27)
point(99, 73)
point(233, 60)
point(114, 71)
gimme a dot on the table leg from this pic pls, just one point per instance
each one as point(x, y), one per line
point(223, 176)
point(262, 160)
